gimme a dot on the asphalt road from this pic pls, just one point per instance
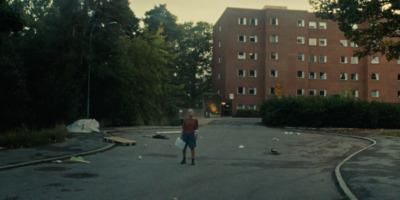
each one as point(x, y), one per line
point(303, 169)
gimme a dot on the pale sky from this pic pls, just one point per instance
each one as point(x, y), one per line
point(210, 10)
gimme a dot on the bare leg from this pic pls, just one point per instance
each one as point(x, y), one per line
point(192, 151)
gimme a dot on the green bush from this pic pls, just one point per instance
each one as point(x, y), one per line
point(329, 112)
point(24, 137)
point(247, 113)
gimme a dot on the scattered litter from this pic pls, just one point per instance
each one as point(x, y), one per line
point(286, 133)
point(274, 151)
point(78, 159)
point(57, 161)
point(119, 140)
point(298, 133)
point(180, 143)
point(145, 145)
point(290, 133)
point(140, 157)
point(149, 136)
point(275, 139)
point(158, 136)
point(241, 147)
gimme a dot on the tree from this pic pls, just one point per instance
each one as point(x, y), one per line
point(372, 25)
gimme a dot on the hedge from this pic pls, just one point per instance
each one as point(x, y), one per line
point(315, 111)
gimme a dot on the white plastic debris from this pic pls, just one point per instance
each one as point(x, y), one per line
point(140, 157)
point(298, 133)
point(275, 139)
point(286, 133)
point(241, 147)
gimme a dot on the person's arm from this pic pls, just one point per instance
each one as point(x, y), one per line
point(196, 129)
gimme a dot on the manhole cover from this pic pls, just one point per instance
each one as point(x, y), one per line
point(50, 169)
point(80, 175)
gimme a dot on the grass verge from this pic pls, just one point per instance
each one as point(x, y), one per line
point(391, 133)
point(24, 137)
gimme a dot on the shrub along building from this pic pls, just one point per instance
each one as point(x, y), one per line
point(260, 53)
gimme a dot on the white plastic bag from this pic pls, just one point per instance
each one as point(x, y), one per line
point(180, 143)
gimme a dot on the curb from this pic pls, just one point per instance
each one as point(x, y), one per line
point(338, 175)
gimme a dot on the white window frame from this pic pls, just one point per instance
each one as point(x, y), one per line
point(273, 73)
point(300, 40)
point(300, 74)
point(353, 44)
point(219, 76)
point(219, 60)
point(276, 56)
point(253, 56)
point(300, 57)
point(323, 75)
point(354, 60)
point(300, 92)
point(312, 41)
point(241, 71)
point(375, 93)
point(243, 89)
point(242, 21)
point(354, 77)
point(312, 75)
point(375, 60)
point(253, 21)
point(343, 43)
point(254, 72)
point(272, 90)
point(241, 55)
point(343, 59)
point(300, 23)
point(322, 93)
point(375, 76)
point(343, 76)
point(312, 25)
point(355, 93)
point(323, 59)
point(323, 42)
point(313, 91)
point(241, 38)
point(240, 107)
point(253, 38)
point(252, 91)
point(219, 44)
point(322, 25)
point(274, 21)
point(313, 58)
point(274, 39)
point(252, 107)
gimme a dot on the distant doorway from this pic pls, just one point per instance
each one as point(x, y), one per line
point(226, 108)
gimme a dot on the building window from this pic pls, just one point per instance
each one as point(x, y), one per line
point(252, 107)
point(398, 61)
point(343, 76)
point(253, 21)
point(322, 93)
point(343, 43)
point(272, 90)
point(312, 92)
point(343, 59)
point(240, 107)
point(219, 44)
point(241, 90)
point(354, 60)
point(242, 21)
point(242, 55)
point(252, 91)
point(354, 77)
point(273, 38)
point(355, 93)
point(312, 41)
point(241, 73)
point(323, 42)
point(253, 56)
point(353, 44)
point(322, 25)
point(312, 25)
point(323, 59)
point(300, 22)
point(300, 40)
point(375, 76)
point(322, 75)
point(253, 38)
point(219, 59)
point(375, 60)
point(375, 93)
point(300, 74)
point(242, 38)
point(313, 58)
point(300, 57)
point(219, 28)
point(274, 55)
point(313, 75)
point(300, 92)
point(274, 21)
point(253, 73)
point(219, 76)
point(274, 73)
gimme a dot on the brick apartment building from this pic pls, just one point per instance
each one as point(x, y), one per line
point(259, 53)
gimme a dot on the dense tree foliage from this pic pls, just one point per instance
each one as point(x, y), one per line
point(53, 51)
point(378, 23)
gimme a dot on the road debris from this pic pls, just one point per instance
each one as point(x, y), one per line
point(275, 139)
point(241, 146)
point(56, 161)
point(78, 159)
point(274, 151)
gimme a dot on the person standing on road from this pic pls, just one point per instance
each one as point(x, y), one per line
point(190, 128)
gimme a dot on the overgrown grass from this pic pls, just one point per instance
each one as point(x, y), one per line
point(25, 137)
point(391, 133)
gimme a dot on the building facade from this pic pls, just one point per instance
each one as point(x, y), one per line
point(273, 51)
